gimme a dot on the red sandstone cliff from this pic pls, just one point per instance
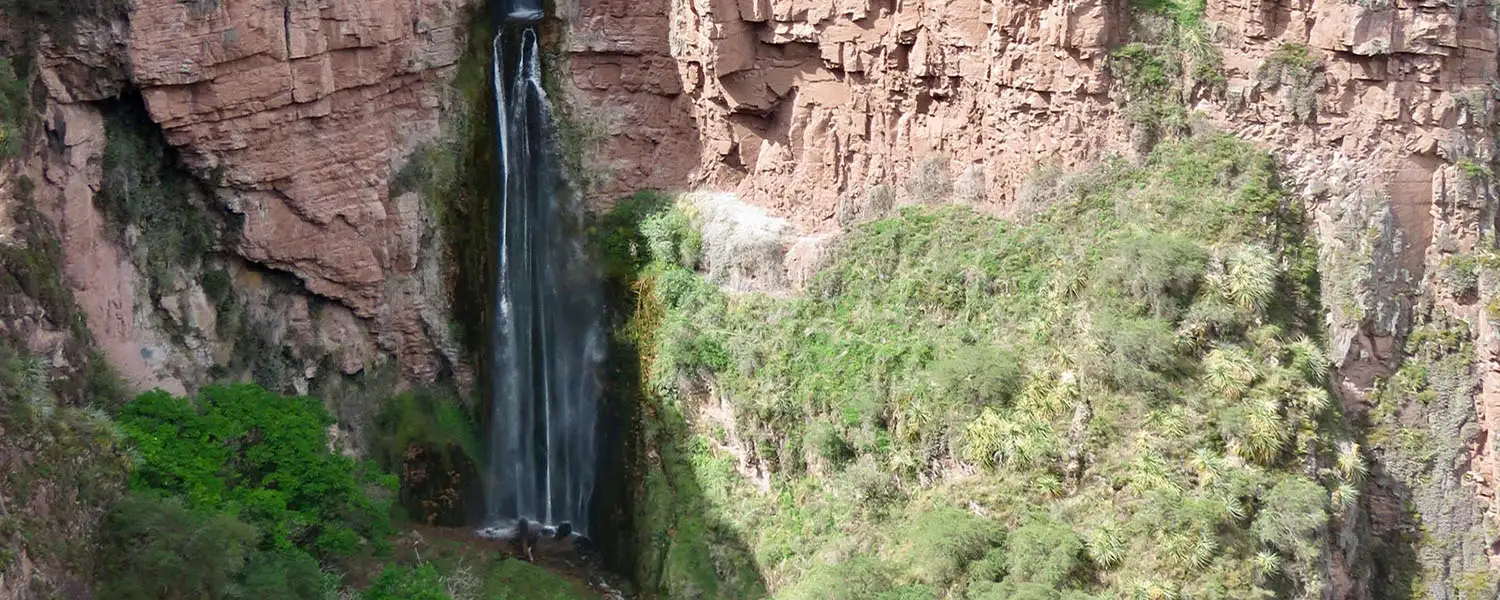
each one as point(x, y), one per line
point(296, 113)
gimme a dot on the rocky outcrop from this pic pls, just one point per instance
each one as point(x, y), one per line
point(294, 115)
point(853, 96)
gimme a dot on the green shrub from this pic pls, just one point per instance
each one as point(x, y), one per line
point(986, 376)
point(431, 417)
point(1474, 169)
point(830, 444)
point(408, 583)
point(671, 237)
point(1045, 552)
point(941, 543)
point(1294, 70)
point(909, 592)
point(15, 109)
point(1460, 274)
point(261, 456)
point(1292, 519)
point(159, 548)
point(290, 574)
point(854, 579)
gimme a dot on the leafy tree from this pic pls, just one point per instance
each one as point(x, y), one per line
point(261, 456)
point(158, 548)
point(291, 574)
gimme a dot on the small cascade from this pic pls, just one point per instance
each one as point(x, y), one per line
point(547, 335)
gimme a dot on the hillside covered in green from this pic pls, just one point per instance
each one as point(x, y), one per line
point(1122, 395)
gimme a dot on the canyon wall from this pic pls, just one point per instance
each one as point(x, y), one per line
point(1383, 114)
point(293, 116)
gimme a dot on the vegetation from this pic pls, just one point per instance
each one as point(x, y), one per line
point(1295, 71)
point(1422, 421)
point(263, 457)
point(431, 417)
point(456, 176)
point(15, 108)
point(62, 463)
point(31, 267)
point(152, 200)
point(236, 494)
point(35, 18)
point(1118, 397)
point(254, 468)
point(407, 583)
point(1172, 61)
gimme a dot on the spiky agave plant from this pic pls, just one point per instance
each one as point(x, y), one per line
point(1150, 588)
point(33, 380)
point(1006, 437)
point(1208, 464)
point(1308, 358)
point(1267, 564)
point(1229, 371)
point(1105, 545)
point(1312, 401)
point(1246, 278)
point(1350, 463)
point(1344, 496)
point(1265, 432)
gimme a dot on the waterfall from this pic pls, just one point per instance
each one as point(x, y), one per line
point(547, 333)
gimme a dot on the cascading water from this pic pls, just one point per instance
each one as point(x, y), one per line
point(547, 331)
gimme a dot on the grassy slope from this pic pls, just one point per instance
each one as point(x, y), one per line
point(1126, 393)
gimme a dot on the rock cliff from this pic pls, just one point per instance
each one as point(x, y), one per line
point(293, 117)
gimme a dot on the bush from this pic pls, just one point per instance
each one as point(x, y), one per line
point(1292, 519)
point(1460, 274)
point(158, 548)
point(429, 417)
point(408, 583)
point(830, 444)
point(941, 544)
point(855, 579)
point(144, 187)
point(290, 574)
point(983, 377)
point(1044, 552)
point(1295, 71)
point(262, 456)
point(15, 109)
point(932, 182)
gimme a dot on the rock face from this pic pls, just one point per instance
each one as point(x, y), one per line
point(855, 95)
point(295, 113)
point(303, 108)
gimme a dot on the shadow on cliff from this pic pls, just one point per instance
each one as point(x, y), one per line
point(655, 523)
